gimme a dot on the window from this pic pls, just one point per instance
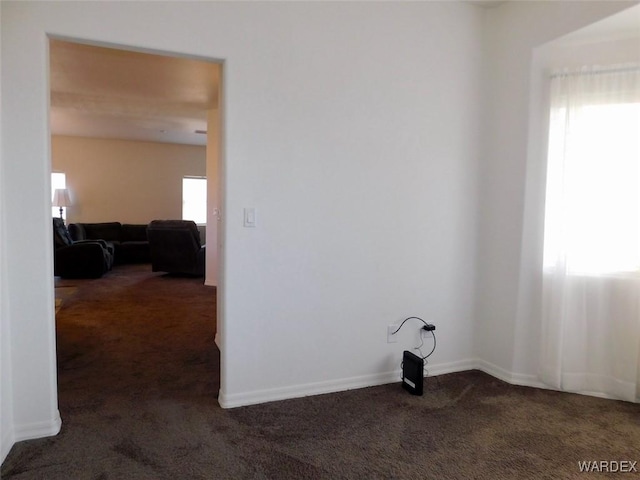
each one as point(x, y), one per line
point(590, 286)
point(592, 218)
point(58, 180)
point(194, 199)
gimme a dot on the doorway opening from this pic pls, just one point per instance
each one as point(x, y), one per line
point(126, 127)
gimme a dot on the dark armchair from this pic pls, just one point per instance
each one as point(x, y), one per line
point(83, 259)
point(175, 247)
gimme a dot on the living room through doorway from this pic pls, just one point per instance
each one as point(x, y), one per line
point(126, 127)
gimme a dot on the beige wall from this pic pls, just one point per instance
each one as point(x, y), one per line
point(213, 196)
point(125, 181)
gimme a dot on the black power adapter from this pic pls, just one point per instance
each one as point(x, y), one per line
point(412, 373)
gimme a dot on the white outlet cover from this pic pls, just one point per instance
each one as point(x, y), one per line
point(391, 338)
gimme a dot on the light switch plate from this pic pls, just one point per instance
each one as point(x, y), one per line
point(250, 217)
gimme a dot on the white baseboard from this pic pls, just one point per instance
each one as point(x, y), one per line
point(297, 391)
point(305, 390)
point(7, 441)
point(450, 367)
point(318, 388)
point(35, 430)
point(522, 379)
point(28, 431)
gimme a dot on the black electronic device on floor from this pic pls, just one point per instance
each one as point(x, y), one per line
point(412, 372)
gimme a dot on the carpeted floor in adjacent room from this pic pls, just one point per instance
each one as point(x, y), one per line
point(138, 380)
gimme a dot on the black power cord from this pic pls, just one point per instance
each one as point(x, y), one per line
point(427, 328)
point(434, 344)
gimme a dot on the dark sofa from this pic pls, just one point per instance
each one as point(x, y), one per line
point(176, 247)
point(130, 241)
point(81, 259)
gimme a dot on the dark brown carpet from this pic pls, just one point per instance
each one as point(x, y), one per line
point(138, 379)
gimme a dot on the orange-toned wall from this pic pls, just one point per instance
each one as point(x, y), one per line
point(125, 181)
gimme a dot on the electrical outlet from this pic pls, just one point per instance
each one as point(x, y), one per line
point(427, 331)
point(391, 338)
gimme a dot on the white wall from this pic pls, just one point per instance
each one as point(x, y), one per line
point(124, 181)
point(6, 399)
point(358, 151)
point(27, 254)
point(557, 54)
point(507, 341)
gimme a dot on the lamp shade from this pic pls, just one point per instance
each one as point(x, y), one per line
point(61, 198)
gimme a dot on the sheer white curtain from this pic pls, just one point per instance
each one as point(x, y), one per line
point(591, 280)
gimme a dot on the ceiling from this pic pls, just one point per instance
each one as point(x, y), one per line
point(625, 24)
point(105, 92)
